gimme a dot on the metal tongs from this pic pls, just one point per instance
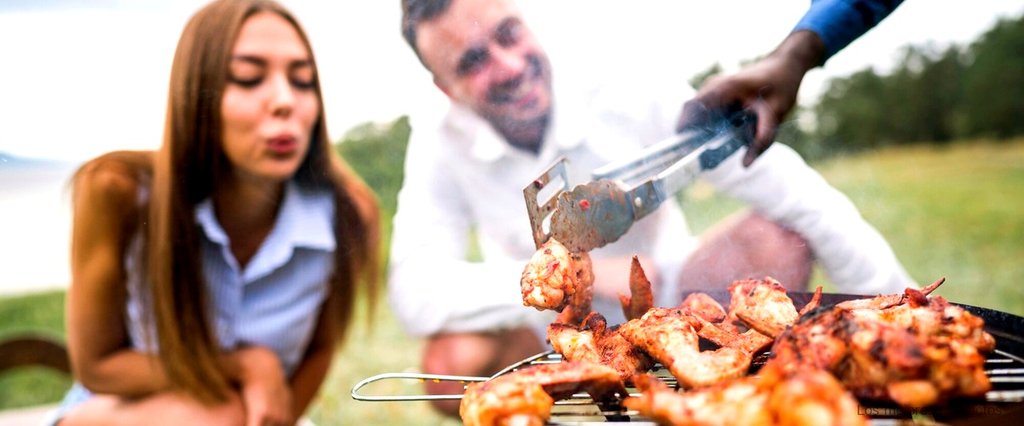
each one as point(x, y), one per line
point(598, 212)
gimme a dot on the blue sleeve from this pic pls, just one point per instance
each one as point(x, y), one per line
point(840, 22)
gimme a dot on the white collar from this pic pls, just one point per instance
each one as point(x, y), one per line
point(305, 219)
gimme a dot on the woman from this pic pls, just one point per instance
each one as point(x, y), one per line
point(211, 279)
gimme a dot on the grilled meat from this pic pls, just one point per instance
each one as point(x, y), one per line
point(574, 344)
point(762, 305)
point(887, 300)
point(593, 341)
point(526, 396)
point(641, 298)
point(798, 397)
point(813, 304)
point(669, 336)
point(749, 341)
point(711, 316)
point(734, 402)
point(579, 304)
point(555, 279)
point(910, 349)
point(703, 306)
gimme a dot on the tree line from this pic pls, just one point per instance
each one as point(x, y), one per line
point(932, 95)
point(939, 96)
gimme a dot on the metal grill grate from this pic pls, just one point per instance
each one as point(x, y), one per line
point(1005, 371)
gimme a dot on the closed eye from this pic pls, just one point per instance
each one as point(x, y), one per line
point(247, 71)
point(301, 75)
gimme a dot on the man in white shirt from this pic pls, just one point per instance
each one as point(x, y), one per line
point(508, 120)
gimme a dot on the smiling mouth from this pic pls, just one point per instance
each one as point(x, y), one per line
point(519, 90)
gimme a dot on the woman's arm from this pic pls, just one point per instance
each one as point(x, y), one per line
point(317, 361)
point(104, 220)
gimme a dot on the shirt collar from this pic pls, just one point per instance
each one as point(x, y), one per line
point(305, 220)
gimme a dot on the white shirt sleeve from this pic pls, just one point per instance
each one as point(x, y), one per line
point(783, 188)
point(431, 287)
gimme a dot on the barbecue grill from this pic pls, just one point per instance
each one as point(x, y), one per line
point(1003, 404)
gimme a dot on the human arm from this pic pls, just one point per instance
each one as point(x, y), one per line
point(769, 86)
point(310, 374)
point(104, 222)
point(432, 287)
point(271, 398)
point(106, 214)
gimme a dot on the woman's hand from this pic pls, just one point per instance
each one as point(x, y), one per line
point(264, 389)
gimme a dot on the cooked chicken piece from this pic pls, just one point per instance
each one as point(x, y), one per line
point(595, 342)
point(811, 397)
point(703, 306)
point(763, 305)
point(505, 403)
point(734, 402)
point(750, 341)
point(713, 327)
point(616, 351)
point(669, 336)
point(574, 344)
point(559, 280)
point(641, 298)
point(808, 397)
point(579, 303)
point(919, 352)
point(527, 395)
point(811, 305)
point(887, 300)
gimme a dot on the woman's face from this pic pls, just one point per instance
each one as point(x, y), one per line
point(270, 102)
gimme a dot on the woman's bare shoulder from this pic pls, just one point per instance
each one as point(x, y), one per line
point(116, 177)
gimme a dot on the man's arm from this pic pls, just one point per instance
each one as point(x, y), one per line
point(431, 287)
point(769, 87)
point(839, 22)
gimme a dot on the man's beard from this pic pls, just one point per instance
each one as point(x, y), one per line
point(522, 132)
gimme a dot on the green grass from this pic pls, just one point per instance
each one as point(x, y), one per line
point(952, 212)
point(41, 314)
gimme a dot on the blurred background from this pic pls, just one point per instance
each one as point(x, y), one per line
point(920, 122)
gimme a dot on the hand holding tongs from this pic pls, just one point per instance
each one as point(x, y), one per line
point(596, 213)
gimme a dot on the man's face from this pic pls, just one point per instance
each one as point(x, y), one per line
point(483, 56)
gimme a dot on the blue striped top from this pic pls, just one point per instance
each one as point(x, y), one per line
point(276, 299)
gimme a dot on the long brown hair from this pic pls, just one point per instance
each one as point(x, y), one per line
point(184, 171)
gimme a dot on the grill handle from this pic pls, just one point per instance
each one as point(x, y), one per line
point(411, 376)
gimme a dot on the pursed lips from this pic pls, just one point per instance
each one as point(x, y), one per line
point(282, 145)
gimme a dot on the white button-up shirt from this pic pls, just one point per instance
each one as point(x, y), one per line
point(461, 176)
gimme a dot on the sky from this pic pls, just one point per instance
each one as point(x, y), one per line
point(82, 78)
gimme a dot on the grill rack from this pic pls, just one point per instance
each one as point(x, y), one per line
point(1005, 371)
point(1004, 367)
